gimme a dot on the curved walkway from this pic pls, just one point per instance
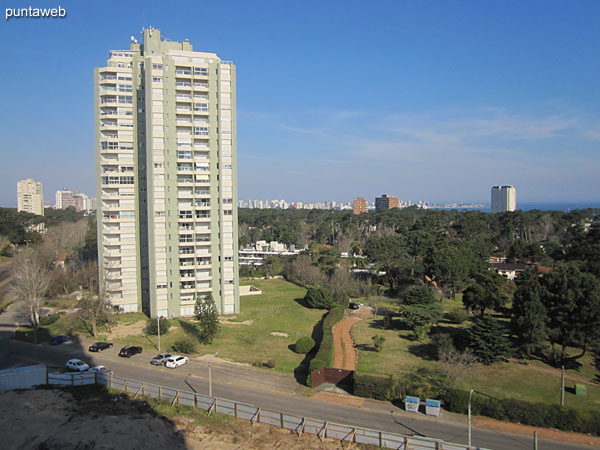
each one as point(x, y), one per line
point(343, 344)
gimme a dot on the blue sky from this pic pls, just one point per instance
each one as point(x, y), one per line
point(425, 100)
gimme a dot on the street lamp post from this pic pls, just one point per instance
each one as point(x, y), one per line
point(469, 411)
point(158, 325)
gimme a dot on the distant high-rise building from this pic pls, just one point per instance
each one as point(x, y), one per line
point(359, 205)
point(167, 178)
point(80, 202)
point(504, 198)
point(64, 199)
point(30, 197)
point(386, 202)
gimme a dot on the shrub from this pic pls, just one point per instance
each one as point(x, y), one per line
point(442, 342)
point(518, 411)
point(50, 318)
point(325, 355)
point(378, 341)
point(304, 345)
point(378, 388)
point(458, 316)
point(152, 326)
point(270, 364)
point(319, 297)
point(185, 345)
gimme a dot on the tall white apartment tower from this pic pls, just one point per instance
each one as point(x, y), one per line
point(30, 197)
point(504, 198)
point(166, 178)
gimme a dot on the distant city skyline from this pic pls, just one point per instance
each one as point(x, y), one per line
point(435, 101)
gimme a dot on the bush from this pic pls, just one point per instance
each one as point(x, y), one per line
point(304, 345)
point(442, 342)
point(186, 345)
point(270, 364)
point(518, 411)
point(152, 326)
point(325, 355)
point(378, 388)
point(50, 319)
point(458, 316)
point(319, 297)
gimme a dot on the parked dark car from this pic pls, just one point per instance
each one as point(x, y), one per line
point(353, 305)
point(99, 346)
point(129, 351)
point(59, 339)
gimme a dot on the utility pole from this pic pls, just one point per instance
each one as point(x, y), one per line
point(469, 411)
point(209, 380)
point(535, 444)
point(158, 325)
point(562, 387)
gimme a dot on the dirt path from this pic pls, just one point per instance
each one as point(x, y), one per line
point(345, 353)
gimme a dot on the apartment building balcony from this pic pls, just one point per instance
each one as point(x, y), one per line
point(112, 263)
point(113, 275)
point(113, 286)
point(202, 251)
point(107, 231)
point(111, 253)
point(204, 275)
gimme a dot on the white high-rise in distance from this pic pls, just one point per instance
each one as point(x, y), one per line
point(504, 198)
point(30, 197)
point(166, 178)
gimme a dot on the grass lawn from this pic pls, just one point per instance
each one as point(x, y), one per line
point(278, 310)
point(534, 381)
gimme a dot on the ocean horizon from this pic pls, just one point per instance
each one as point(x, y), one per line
point(545, 206)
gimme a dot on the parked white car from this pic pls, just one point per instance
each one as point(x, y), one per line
point(176, 361)
point(76, 365)
point(101, 370)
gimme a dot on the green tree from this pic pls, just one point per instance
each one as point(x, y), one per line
point(487, 340)
point(207, 315)
point(572, 302)
point(152, 327)
point(450, 264)
point(528, 314)
point(485, 293)
point(420, 317)
point(419, 295)
point(320, 297)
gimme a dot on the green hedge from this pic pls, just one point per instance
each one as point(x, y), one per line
point(519, 411)
point(326, 354)
point(379, 388)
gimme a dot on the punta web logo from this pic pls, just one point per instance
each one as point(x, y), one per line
point(35, 13)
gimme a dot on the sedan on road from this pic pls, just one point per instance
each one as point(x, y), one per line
point(77, 365)
point(103, 370)
point(160, 359)
point(99, 346)
point(175, 361)
point(130, 350)
point(59, 339)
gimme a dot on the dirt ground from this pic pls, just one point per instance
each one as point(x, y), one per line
point(82, 418)
point(345, 353)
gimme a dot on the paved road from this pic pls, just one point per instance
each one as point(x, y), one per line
point(275, 392)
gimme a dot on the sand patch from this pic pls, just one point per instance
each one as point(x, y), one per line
point(277, 333)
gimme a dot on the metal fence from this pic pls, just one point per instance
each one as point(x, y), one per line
point(320, 428)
